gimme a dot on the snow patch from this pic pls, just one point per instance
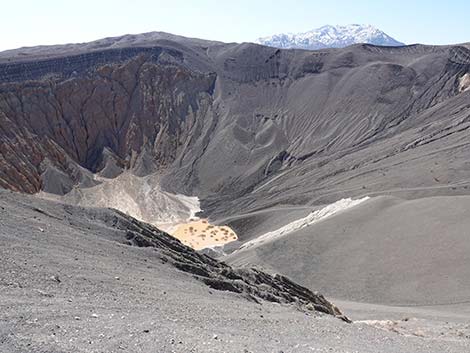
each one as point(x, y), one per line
point(330, 37)
point(314, 217)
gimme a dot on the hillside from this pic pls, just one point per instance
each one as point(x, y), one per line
point(89, 279)
point(241, 126)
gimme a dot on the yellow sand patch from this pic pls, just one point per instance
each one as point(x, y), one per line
point(200, 234)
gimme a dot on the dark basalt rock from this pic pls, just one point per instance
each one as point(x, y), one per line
point(252, 283)
point(77, 65)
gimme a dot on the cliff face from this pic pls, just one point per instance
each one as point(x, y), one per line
point(128, 107)
point(240, 125)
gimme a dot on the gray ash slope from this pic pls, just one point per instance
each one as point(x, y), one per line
point(72, 279)
point(385, 251)
point(242, 126)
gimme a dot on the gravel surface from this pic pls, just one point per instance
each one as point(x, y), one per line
point(68, 285)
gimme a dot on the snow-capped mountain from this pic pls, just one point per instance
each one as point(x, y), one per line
point(330, 37)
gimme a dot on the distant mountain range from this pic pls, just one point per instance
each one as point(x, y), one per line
point(330, 37)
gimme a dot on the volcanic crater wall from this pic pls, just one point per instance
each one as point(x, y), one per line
point(124, 101)
point(232, 121)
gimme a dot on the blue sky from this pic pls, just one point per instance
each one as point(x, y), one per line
point(34, 22)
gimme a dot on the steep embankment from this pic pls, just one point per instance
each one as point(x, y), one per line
point(385, 250)
point(105, 113)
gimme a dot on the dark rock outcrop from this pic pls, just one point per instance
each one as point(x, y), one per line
point(252, 283)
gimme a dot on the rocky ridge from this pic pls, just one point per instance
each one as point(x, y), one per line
point(252, 283)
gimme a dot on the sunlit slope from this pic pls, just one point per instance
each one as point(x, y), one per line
point(387, 250)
